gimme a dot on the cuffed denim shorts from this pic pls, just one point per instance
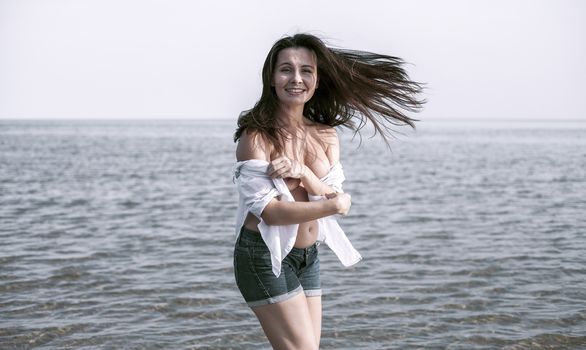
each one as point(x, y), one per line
point(256, 280)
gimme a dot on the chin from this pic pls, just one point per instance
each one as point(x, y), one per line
point(293, 100)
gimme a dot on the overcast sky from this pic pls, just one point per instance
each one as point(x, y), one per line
point(493, 59)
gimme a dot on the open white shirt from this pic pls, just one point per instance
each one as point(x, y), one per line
point(256, 189)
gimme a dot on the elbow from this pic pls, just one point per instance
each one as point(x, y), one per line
point(270, 214)
point(270, 219)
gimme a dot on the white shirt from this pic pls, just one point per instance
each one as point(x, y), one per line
point(256, 189)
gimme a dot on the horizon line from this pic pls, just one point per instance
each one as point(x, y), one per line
point(438, 119)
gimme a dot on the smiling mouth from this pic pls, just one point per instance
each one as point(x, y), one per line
point(295, 91)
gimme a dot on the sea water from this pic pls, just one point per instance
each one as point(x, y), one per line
point(119, 235)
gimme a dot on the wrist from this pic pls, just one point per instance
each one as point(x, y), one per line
point(334, 206)
point(304, 171)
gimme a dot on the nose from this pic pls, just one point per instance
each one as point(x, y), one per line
point(297, 77)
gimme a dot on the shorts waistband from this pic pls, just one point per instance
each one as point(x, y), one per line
point(252, 236)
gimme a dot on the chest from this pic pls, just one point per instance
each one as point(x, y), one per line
point(309, 150)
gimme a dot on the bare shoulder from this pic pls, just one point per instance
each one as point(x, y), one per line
point(252, 145)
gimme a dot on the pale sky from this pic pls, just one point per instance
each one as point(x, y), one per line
point(498, 59)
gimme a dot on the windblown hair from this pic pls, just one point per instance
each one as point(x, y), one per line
point(354, 87)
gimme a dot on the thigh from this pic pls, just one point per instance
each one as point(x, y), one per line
point(254, 275)
point(288, 324)
point(314, 306)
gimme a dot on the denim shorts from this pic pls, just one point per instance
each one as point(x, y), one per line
point(256, 280)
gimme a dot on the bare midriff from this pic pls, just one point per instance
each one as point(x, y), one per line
point(307, 231)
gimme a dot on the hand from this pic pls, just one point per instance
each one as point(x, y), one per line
point(284, 167)
point(342, 200)
point(292, 183)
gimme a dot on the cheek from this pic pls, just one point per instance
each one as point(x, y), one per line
point(313, 82)
point(278, 79)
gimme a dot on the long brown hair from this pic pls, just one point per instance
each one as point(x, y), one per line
point(354, 87)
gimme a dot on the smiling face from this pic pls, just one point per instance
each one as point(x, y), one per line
point(295, 75)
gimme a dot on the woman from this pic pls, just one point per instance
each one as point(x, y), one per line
point(290, 179)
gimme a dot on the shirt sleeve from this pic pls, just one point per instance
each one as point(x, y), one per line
point(334, 179)
point(256, 193)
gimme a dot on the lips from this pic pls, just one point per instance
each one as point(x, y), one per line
point(295, 90)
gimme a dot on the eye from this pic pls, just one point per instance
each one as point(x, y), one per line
point(286, 70)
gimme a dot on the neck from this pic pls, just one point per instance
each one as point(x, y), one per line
point(290, 117)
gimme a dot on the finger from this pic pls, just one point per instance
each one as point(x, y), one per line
point(277, 169)
point(274, 174)
point(280, 160)
point(274, 165)
point(285, 172)
point(285, 162)
point(277, 160)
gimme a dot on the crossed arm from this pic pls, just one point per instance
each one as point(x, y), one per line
point(284, 167)
point(253, 146)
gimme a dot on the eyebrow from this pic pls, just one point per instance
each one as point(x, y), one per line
point(290, 64)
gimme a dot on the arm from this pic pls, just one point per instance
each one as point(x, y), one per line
point(287, 213)
point(253, 146)
point(287, 168)
point(312, 184)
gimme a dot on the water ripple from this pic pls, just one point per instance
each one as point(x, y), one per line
point(118, 235)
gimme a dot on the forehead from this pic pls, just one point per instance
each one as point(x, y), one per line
point(297, 55)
